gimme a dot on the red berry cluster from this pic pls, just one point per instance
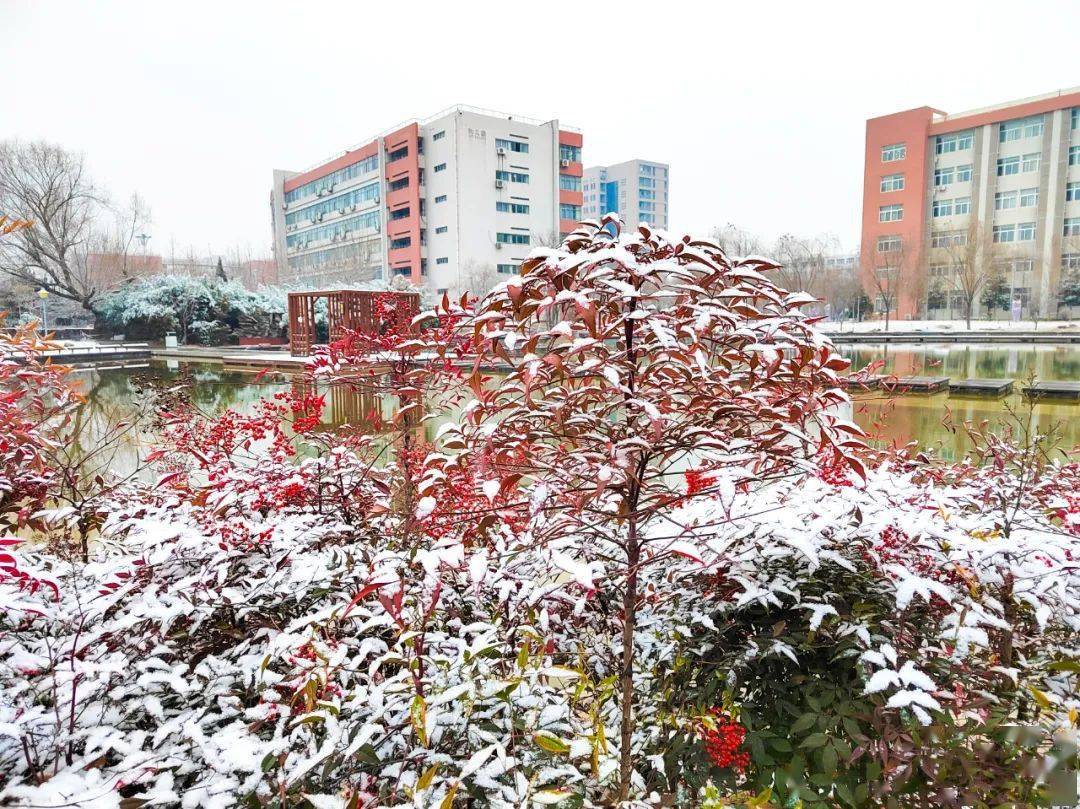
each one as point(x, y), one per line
point(895, 547)
point(723, 737)
point(833, 470)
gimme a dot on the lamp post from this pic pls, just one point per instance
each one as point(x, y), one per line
point(44, 295)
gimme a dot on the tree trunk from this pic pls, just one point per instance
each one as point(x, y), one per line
point(626, 677)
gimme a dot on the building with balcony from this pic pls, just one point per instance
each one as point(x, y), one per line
point(988, 197)
point(637, 190)
point(452, 203)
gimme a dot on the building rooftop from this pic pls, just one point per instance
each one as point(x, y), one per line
point(939, 117)
point(456, 108)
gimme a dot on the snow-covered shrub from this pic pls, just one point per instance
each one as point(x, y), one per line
point(292, 617)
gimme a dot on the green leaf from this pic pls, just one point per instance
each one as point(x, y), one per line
point(814, 740)
point(803, 723)
point(829, 758)
point(551, 743)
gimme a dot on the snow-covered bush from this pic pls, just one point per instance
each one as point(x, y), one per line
point(293, 617)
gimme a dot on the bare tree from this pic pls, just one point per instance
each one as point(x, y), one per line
point(477, 278)
point(737, 242)
point(72, 221)
point(890, 270)
point(802, 261)
point(968, 265)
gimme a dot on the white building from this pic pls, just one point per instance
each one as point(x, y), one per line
point(637, 190)
point(451, 202)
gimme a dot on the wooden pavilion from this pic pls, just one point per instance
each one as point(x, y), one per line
point(346, 309)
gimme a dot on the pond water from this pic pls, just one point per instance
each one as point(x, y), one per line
point(112, 394)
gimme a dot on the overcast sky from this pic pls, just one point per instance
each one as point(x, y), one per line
point(759, 107)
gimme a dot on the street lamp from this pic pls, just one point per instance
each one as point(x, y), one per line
point(43, 294)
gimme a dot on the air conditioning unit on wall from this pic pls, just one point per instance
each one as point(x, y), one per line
point(498, 183)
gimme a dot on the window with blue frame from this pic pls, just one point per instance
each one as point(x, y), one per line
point(570, 153)
point(400, 242)
point(341, 228)
point(569, 211)
point(511, 207)
point(361, 167)
point(342, 202)
point(512, 176)
point(397, 154)
point(397, 185)
point(569, 183)
point(440, 167)
point(507, 269)
point(512, 238)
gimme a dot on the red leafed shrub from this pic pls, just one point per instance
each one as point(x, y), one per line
point(629, 354)
point(34, 397)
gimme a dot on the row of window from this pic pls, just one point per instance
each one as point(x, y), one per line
point(569, 183)
point(952, 174)
point(511, 207)
point(511, 145)
point(1031, 127)
point(892, 182)
point(570, 153)
point(365, 166)
point(1025, 197)
point(512, 176)
point(950, 207)
point(360, 256)
point(512, 238)
point(398, 154)
point(342, 202)
point(1024, 232)
point(890, 213)
point(365, 222)
point(1014, 164)
point(944, 144)
point(569, 211)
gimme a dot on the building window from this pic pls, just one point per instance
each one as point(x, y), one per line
point(945, 176)
point(571, 154)
point(569, 211)
point(399, 213)
point(441, 229)
point(442, 260)
point(892, 182)
point(400, 242)
point(1004, 233)
point(1076, 117)
point(511, 207)
point(1031, 161)
point(1008, 165)
point(397, 185)
point(569, 183)
point(440, 198)
point(1003, 200)
point(1025, 232)
point(1020, 128)
point(1072, 226)
point(439, 135)
point(953, 143)
point(326, 184)
point(397, 154)
point(888, 244)
point(512, 238)
point(406, 270)
point(963, 173)
point(892, 152)
point(1074, 155)
point(512, 176)
point(1029, 197)
point(1072, 192)
point(962, 206)
point(507, 269)
point(890, 213)
point(943, 207)
point(342, 203)
point(1070, 261)
point(440, 167)
point(948, 238)
point(511, 145)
